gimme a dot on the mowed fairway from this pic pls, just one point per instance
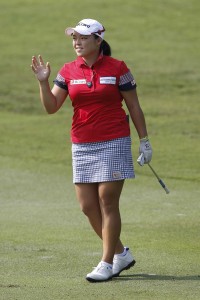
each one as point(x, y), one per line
point(46, 244)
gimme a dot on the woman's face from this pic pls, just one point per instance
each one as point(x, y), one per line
point(85, 45)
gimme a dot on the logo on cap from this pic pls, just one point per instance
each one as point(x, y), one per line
point(83, 24)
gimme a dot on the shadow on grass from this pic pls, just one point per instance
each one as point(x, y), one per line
point(156, 277)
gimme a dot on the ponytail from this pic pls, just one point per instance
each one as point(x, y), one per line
point(105, 47)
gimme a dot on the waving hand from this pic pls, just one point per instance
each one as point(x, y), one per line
point(42, 71)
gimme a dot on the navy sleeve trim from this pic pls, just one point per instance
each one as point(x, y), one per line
point(60, 84)
point(127, 87)
point(127, 82)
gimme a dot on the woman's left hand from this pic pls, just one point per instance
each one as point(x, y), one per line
point(146, 150)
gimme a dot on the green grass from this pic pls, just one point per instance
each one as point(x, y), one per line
point(46, 243)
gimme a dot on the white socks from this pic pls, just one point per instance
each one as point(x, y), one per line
point(123, 253)
point(120, 254)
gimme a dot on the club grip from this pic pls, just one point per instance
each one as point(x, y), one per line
point(164, 186)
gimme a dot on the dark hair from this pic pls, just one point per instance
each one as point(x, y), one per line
point(105, 47)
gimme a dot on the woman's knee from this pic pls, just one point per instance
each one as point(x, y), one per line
point(87, 195)
point(109, 206)
point(109, 194)
point(86, 207)
point(109, 203)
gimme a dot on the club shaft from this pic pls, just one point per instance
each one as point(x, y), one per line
point(154, 172)
point(159, 179)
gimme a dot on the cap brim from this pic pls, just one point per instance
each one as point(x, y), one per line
point(69, 31)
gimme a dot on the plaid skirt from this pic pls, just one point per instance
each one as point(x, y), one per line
point(102, 161)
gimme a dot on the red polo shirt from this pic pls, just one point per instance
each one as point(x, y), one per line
point(98, 113)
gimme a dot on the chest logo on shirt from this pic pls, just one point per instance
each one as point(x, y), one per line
point(78, 81)
point(107, 80)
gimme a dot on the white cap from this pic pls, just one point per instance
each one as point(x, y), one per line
point(87, 27)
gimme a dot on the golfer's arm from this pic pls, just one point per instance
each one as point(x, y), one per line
point(136, 113)
point(53, 99)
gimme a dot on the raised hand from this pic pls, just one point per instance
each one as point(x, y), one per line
point(42, 71)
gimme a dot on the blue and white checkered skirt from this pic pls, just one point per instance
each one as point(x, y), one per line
point(102, 161)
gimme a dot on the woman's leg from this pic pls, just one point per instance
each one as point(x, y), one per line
point(87, 195)
point(109, 194)
point(89, 200)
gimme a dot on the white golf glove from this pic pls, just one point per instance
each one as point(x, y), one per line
point(145, 151)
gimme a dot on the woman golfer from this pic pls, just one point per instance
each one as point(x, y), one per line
point(101, 145)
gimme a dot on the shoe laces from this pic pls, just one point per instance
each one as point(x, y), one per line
point(100, 266)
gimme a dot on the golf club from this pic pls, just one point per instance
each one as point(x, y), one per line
point(140, 161)
point(159, 179)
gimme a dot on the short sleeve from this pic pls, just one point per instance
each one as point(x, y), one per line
point(126, 80)
point(60, 79)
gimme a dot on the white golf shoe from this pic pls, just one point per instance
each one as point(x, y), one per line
point(121, 263)
point(100, 273)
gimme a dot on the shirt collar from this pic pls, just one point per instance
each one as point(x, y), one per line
point(80, 62)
